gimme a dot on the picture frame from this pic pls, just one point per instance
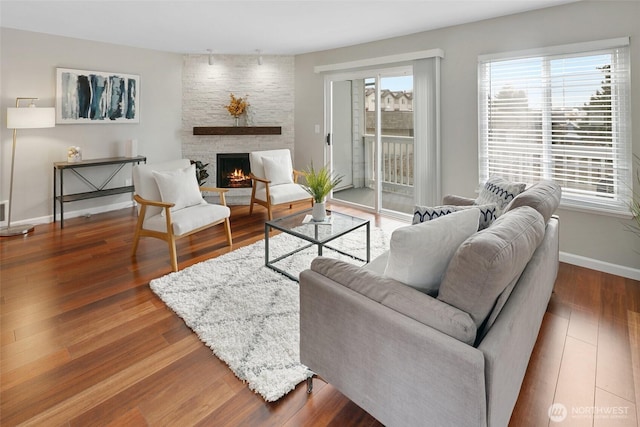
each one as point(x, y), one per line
point(96, 97)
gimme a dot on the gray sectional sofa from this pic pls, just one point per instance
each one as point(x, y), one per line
point(455, 356)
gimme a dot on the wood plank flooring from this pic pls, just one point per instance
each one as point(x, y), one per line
point(85, 342)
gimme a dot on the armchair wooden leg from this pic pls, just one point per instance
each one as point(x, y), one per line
point(136, 239)
point(136, 236)
point(270, 214)
point(172, 252)
point(227, 228)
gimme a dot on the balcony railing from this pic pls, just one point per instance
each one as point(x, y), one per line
point(397, 161)
point(567, 165)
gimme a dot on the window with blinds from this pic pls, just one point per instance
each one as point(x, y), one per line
point(560, 113)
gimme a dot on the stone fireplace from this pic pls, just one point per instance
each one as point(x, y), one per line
point(206, 90)
point(233, 170)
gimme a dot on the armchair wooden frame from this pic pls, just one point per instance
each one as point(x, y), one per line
point(169, 235)
point(267, 203)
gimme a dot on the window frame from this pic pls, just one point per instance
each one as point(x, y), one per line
point(621, 149)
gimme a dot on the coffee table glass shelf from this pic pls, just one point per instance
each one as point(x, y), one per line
point(319, 234)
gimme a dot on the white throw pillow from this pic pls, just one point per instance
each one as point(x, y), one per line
point(278, 170)
point(419, 254)
point(179, 187)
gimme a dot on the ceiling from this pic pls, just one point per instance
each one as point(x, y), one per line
point(243, 26)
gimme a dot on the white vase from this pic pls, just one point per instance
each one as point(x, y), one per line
point(319, 212)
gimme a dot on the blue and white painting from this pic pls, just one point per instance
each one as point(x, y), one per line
point(96, 97)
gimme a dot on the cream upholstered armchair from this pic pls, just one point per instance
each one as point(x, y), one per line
point(274, 180)
point(170, 204)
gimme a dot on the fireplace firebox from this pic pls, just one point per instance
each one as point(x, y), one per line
point(233, 170)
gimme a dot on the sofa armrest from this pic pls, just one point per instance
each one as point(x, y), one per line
point(452, 199)
point(508, 345)
point(399, 370)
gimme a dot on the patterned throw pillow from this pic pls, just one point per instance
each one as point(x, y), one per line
point(499, 191)
point(424, 213)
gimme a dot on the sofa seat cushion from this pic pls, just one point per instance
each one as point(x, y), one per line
point(487, 262)
point(425, 213)
point(399, 297)
point(499, 191)
point(419, 254)
point(188, 219)
point(544, 196)
point(283, 193)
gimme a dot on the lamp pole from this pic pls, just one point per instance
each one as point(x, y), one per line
point(19, 120)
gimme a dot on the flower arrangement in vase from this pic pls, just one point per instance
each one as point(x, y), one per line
point(237, 106)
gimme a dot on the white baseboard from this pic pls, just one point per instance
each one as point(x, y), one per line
point(74, 214)
point(606, 267)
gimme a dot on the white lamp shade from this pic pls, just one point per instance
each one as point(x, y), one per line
point(31, 118)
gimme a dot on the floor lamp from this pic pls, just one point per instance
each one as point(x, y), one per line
point(24, 118)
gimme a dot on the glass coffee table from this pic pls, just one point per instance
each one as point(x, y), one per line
point(319, 234)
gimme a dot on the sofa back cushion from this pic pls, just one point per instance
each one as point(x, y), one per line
point(419, 254)
point(544, 196)
point(487, 262)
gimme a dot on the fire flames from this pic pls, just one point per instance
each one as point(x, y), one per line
point(237, 178)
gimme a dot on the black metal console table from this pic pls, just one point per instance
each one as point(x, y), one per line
point(98, 190)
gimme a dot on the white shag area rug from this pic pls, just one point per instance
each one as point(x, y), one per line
point(248, 314)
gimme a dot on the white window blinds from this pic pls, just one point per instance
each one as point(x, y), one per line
point(563, 114)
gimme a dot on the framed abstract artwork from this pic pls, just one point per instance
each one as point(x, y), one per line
point(96, 97)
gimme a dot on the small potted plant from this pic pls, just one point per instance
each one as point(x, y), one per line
point(320, 182)
point(201, 171)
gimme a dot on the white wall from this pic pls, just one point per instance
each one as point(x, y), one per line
point(28, 68)
point(597, 237)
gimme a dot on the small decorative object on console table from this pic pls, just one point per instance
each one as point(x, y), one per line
point(319, 184)
point(237, 106)
point(74, 154)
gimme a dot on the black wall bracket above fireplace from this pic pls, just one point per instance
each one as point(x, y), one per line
point(237, 130)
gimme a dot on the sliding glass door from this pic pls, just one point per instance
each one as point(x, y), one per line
point(370, 117)
point(396, 143)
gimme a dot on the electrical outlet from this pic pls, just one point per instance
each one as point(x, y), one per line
point(127, 181)
point(4, 212)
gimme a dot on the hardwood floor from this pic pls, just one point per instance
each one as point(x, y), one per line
point(84, 341)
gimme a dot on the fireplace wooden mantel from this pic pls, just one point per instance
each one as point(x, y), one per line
point(237, 130)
